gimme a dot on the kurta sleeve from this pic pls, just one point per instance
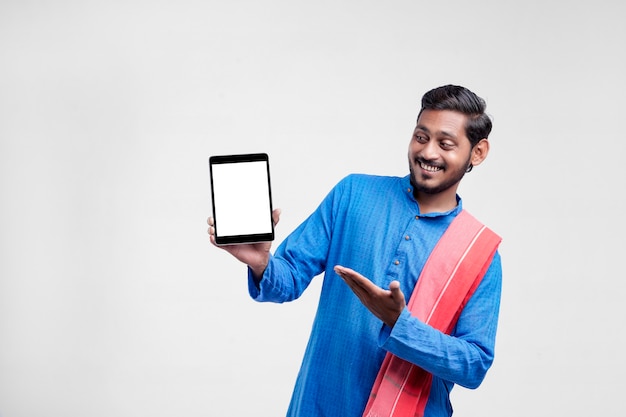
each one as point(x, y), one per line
point(300, 257)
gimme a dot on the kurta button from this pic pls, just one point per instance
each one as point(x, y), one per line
point(407, 237)
point(408, 190)
point(417, 217)
point(396, 262)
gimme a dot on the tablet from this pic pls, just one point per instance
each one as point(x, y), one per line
point(242, 198)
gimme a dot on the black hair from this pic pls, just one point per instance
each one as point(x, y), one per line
point(460, 99)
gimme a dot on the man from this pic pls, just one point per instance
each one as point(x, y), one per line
point(372, 236)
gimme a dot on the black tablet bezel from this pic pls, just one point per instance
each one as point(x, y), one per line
point(247, 238)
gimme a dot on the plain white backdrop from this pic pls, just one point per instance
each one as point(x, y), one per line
point(112, 300)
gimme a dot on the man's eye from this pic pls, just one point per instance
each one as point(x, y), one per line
point(447, 145)
point(420, 138)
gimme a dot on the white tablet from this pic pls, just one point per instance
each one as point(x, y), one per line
point(241, 196)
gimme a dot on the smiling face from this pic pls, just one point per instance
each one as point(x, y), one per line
point(440, 153)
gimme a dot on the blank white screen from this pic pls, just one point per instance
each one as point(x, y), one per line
point(241, 198)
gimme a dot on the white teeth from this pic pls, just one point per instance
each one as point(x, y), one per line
point(429, 168)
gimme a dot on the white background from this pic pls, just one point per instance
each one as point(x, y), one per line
point(113, 302)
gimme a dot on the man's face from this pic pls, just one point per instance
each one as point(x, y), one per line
point(439, 152)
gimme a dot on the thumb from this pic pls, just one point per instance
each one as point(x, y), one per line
point(396, 293)
point(276, 216)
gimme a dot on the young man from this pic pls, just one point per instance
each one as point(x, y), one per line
point(372, 237)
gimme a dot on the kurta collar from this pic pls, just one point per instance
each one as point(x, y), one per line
point(408, 189)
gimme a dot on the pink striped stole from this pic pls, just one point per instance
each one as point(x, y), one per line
point(449, 278)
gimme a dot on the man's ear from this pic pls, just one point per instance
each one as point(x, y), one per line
point(479, 152)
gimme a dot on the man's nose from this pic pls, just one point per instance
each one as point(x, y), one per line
point(430, 150)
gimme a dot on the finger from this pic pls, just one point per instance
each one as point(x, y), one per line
point(210, 221)
point(359, 280)
point(347, 278)
point(339, 269)
point(350, 276)
point(347, 272)
point(361, 294)
point(346, 275)
point(276, 216)
point(360, 285)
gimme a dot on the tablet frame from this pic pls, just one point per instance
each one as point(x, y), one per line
point(242, 238)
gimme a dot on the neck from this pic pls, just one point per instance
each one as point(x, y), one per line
point(437, 203)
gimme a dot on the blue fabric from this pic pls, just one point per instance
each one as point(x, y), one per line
point(373, 225)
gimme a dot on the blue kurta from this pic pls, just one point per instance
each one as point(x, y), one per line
point(373, 225)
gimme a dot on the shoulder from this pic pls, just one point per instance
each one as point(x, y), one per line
point(364, 192)
point(367, 181)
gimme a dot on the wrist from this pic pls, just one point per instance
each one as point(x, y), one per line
point(258, 270)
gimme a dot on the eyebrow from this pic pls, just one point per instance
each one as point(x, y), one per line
point(442, 132)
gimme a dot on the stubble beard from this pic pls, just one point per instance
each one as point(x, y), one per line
point(438, 188)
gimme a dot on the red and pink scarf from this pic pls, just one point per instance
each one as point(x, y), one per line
point(449, 278)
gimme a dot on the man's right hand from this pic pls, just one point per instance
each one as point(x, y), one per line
point(255, 255)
